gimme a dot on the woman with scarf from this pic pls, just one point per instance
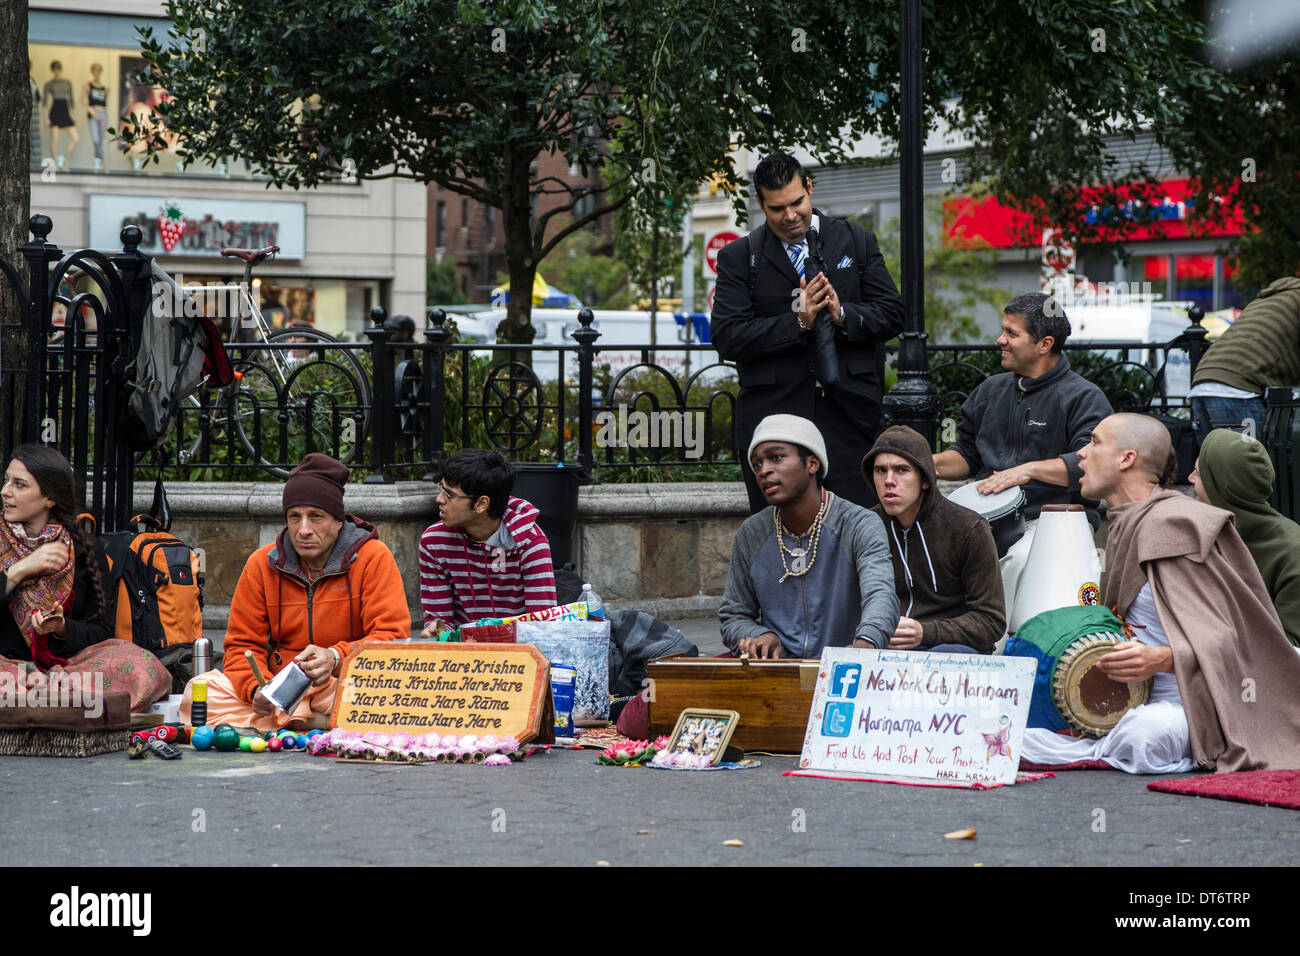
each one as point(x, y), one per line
point(57, 631)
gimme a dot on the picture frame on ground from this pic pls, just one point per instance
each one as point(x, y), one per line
point(703, 732)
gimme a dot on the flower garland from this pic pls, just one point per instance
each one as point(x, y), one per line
point(631, 752)
point(405, 748)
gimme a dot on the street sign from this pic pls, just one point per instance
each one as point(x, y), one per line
point(715, 242)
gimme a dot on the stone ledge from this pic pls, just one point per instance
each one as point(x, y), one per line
point(261, 499)
point(409, 500)
point(664, 500)
point(667, 609)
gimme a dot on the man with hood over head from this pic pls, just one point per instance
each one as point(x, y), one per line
point(945, 560)
point(1234, 472)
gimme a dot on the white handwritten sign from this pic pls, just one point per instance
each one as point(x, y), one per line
point(913, 714)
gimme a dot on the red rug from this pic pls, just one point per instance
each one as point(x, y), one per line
point(1267, 788)
point(1077, 765)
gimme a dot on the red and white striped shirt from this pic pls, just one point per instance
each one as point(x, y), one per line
point(462, 581)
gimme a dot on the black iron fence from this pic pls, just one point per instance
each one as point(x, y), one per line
point(395, 409)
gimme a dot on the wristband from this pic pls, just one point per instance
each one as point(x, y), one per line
point(338, 659)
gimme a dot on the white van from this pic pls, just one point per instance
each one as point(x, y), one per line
point(1138, 322)
point(618, 332)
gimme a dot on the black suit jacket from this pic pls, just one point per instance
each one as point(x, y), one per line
point(760, 332)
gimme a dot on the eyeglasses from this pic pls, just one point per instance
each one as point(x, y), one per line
point(441, 492)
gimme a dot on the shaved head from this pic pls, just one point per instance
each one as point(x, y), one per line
point(1127, 455)
point(1146, 436)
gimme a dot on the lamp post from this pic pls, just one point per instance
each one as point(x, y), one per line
point(913, 401)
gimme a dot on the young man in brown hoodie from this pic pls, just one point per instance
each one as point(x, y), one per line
point(945, 560)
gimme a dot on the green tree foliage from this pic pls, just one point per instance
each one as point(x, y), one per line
point(583, 265)
point(959, 279)
point(442, 285)
point(468, 94)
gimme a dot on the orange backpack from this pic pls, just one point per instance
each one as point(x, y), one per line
point(159, 596)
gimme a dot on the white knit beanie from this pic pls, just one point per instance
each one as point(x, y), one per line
point(793, 429)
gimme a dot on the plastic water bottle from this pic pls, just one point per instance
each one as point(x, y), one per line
point(595, 606)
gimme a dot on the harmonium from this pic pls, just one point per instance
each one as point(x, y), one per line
point(773, 697)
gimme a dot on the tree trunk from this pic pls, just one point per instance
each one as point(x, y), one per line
point(516, 220)
point(15, 197)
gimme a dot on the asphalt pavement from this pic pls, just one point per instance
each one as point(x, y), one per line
point(562, 808)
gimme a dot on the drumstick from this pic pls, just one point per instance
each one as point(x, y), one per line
point(257, 671)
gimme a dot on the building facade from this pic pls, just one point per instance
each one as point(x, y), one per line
point(345, 247)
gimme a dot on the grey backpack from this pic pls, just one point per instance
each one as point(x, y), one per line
point(180, 349)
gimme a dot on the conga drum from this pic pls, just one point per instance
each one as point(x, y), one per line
point(1063, 569)
point(1004, 511)
point(1070, 691)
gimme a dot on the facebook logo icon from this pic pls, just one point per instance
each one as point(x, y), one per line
point(838, 720)
point(844, 680)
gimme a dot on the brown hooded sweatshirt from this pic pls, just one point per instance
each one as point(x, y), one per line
point(946, 568)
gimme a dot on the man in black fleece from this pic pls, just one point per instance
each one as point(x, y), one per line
point(1026, 425)
point(945, 561)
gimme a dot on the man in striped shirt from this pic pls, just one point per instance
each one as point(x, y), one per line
point(487, 556)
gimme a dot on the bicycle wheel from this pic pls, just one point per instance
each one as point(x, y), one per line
point(291, 402)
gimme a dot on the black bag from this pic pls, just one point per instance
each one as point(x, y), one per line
point(1183, 438)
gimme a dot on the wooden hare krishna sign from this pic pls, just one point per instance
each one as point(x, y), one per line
point(418, 688)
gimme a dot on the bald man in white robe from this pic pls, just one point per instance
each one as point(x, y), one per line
point(1177, 571)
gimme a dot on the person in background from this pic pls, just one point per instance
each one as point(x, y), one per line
point(1261, 349)
point(804, 306)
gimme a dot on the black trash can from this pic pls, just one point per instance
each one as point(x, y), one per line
point(1282, 439)
point(554, 492)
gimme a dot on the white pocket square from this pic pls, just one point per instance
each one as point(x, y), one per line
point(845, 262)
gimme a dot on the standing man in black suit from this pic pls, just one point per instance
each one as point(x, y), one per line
point(804, 306)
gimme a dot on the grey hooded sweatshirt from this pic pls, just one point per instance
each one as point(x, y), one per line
point(847, 594)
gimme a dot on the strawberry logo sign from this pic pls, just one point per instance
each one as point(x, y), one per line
point(170, 225)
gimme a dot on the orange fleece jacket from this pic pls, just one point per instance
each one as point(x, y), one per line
point(275, 613)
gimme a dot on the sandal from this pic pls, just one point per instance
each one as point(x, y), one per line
point(139, 747)
point(164, 750)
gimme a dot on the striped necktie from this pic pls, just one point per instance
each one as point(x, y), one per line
point(797, 256)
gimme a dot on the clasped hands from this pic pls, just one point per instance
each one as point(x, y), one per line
point(815, 296)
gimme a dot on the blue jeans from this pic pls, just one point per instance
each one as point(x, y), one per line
point(1239, 414)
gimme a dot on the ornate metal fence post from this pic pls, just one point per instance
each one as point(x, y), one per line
point(586, 337)
point(39, 255)
point(1194, 335)
point(435, 367)
point(114, 457)
point(381, 415)
point(914, 400)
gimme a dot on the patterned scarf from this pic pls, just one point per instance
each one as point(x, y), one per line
point(43, 593)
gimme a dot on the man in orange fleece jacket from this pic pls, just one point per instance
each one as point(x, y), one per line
point(326, 583)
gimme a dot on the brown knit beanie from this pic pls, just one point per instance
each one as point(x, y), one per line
point(318, 481)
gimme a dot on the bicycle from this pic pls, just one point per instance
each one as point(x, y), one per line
point(285, 402)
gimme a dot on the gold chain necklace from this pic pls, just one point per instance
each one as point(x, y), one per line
point(797, 566)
